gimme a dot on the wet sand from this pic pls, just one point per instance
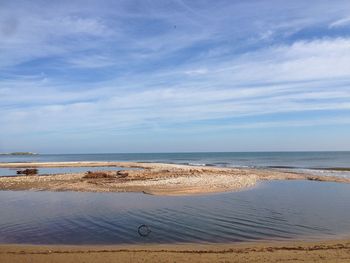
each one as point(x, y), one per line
point(151, 178)
point(297, 251)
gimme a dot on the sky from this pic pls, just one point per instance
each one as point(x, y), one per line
point(174, 76)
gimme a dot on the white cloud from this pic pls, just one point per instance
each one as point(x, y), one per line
point(40, 36)
point(78, 25)
point(340, 23)
point(199, 71)
point(91, 61)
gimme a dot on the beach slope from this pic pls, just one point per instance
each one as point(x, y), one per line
point(325, 251)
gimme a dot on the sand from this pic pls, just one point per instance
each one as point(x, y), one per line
point(296, 251)
point(151, 178)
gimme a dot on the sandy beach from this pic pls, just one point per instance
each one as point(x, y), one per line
point(151, 178)
point(296, 251)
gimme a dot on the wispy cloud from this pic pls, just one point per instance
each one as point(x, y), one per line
point(340, 23)
point(122, 67)
point(91, 61)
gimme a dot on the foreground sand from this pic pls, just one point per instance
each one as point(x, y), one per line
point(152, 178)
point(325, 251)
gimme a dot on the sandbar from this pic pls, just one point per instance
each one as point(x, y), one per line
point(150, 178)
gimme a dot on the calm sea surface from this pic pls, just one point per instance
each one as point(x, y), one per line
point(273, 210)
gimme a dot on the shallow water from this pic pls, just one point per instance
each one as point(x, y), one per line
point(60, 170)
point(273, 210)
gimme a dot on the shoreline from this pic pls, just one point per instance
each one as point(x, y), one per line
point(150, 178)
point(261, 251)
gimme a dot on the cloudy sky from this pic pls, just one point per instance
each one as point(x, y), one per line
point(163, 76)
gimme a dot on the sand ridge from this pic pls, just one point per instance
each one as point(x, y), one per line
point(152, 178)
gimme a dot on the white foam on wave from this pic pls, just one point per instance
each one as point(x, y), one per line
point(330, 173)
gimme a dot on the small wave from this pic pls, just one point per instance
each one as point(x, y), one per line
point(325, 172)
point(282, 167)
point(197, 164)
point(221, 163)
point(337, 169)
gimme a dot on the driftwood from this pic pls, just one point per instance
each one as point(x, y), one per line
point(122, 174)
point(33, 171)
point(97, 175)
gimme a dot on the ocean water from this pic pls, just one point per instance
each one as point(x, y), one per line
point(312, 162)
point(271, 211)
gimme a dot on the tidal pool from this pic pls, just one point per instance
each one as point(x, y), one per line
point(273, 210)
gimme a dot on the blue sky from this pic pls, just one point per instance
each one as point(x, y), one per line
point(163, 76)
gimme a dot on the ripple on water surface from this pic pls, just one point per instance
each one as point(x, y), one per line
point(273, 210)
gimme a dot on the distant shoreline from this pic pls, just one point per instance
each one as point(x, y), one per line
point(19, 153)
